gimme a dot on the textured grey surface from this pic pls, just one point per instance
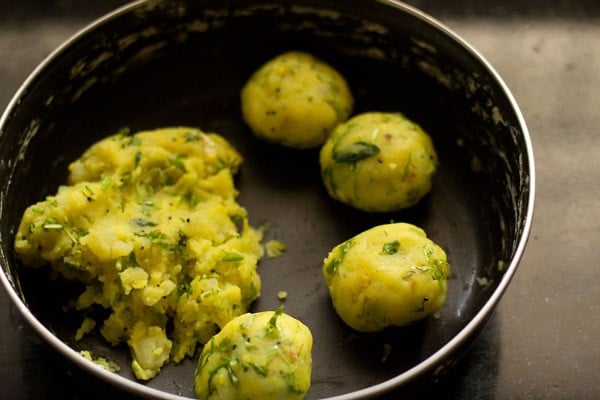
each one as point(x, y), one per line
point(541, 342)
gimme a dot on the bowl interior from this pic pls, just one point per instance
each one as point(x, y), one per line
point(171, 63)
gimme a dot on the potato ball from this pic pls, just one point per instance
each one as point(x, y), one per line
point(295, 100)
point(265, 355)
point(378, 162)
point(389, 275)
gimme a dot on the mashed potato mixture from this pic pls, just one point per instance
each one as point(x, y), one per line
point(266, 355)
point(149, 223)
point(389, 275)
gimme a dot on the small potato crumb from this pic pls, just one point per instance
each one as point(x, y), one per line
point(501, 265)
point(86, 327)
point(483, 281)
point(101, 361)
point(274, 248)
point(282, 295)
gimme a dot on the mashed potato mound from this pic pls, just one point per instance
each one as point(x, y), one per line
point(389, 275)
point(149, 223)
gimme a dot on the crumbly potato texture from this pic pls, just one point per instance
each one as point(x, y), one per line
point(265, 355)
point(150, 225)
point(389, 275)
point(378, 162)
point(296, 100)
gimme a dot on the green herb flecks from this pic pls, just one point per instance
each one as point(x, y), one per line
point(156, 237)
point(191, 136)
point(390, 247)
point(290, 380)
point(184, 287)
point(332, 266)
point(88, 193)
point(144, 222)
point(347, 245)
point(191, 198)
point(355, 152)
point(106, 182)
point(134, 141)
point(343, 248)
point(177, 162)
point(136, 159)
point(128, 261)
point(124, 132)
point(232, 257)
point(181, 245)
point(258, 369)
point(226, 365)
point(252, 291)
point(272, 329)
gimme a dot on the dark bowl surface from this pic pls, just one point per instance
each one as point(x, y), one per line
point(165, 63)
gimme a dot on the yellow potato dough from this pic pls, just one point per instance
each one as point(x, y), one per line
point(150, 226)
point(378, 162)
point(389, 275)
point(266, 355)
point(296, 100)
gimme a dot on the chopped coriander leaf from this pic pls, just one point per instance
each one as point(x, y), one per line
point(390, 247)
point(143, 222)
point(253, 291)
point(355, 152)
point(106, 181)
point(191, 136)
point(272, 325)
point(125, 131)
point(137, 159)
point(176, 162)
point(232, 257)
point(332, 266)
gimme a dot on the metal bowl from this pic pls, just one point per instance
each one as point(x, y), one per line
point(161, 63)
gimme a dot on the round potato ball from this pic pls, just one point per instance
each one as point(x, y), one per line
point(264, 355)
point(378, 162)
point(295, 100)
point(389, 275)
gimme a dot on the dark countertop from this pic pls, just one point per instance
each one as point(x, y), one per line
point(542, 340)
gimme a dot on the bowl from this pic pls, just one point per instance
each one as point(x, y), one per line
point(164, 63)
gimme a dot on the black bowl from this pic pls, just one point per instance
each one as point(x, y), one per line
point(163, 63)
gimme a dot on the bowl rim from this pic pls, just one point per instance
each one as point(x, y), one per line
point(435, 359)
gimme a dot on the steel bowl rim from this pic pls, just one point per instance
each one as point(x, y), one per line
point(436, 359)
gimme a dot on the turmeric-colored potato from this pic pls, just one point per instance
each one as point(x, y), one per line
point(389, 275)
point(150, 226)
point(295, 100)
point(266, 355)
point(378, 162)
